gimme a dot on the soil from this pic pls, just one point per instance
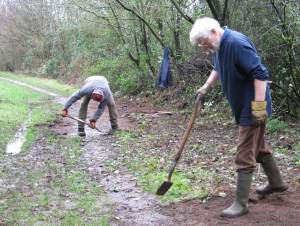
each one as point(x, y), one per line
point(132, 206)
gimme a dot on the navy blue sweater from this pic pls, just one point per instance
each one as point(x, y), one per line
point(238, 64)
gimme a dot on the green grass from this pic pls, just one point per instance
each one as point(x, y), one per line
point(276, 125)
point(48, 84)
point(83, 192)
point(187, 183)
point(14, 109)
point(184, 186)
point(297, 153)
point(67, 183)
point(19, 104)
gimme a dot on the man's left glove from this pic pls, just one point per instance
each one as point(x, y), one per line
point(259, 112)
point(64, 112)
point(93, 123)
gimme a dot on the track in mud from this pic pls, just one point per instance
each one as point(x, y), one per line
point(131, 206)
point(134, 207)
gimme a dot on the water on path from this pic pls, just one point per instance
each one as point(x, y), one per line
point(15, 145)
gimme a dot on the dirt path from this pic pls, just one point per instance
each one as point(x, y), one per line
point(132, 206)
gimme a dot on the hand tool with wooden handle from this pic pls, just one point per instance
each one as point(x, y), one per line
point(165, 186)
point(79, 120)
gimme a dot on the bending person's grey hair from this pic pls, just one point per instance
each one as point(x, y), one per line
point(202, 29)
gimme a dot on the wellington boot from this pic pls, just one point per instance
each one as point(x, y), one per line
point(240, 204)
point(81, 132)
point(275, 183)
point(113, 130)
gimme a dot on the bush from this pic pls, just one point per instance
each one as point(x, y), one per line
point(276, 125)
point(9, 67)
point(297, 153)
point(120, 75)
point(52, 67)
point(128, 83)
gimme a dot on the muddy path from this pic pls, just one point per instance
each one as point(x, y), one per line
point(132, 206)
point(125, 201)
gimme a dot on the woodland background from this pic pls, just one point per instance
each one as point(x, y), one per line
point(124, 41)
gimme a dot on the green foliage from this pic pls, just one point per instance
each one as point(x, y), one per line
point(87, 202)
point(121, 76)
point(52, 67)
point(276, 125)
point(282, 150)
point(128, 83)
point(297, 153)
point(183, 184)
point(72, 218)
point(187, 183)
point(117, 44)
point(125, 136)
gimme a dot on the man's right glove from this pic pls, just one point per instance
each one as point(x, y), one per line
point(203, 91)
point(259, 112)
point(93, 123)
point(64, 112)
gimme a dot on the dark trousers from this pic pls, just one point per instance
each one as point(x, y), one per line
point(111, 109)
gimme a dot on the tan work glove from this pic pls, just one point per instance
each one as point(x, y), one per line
point(64, 112)
point(93, 123)
point(259, 112)
point(203, 91)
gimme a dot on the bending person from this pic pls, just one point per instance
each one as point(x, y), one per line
point(97, 89)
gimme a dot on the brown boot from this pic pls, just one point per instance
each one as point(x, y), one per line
point(240, 204)
point(275, 183)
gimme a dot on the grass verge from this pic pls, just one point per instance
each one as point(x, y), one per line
point(15, 110)
point(49, 84)
point(54, 188)
point(44, 185)
point(151, 172)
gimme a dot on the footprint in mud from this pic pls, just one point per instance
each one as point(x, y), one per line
point(132, 205)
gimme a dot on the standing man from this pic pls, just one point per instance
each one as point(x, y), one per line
point(244, 82)
point(97, 89)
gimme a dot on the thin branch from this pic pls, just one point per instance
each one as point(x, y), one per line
point(186, 17)
point(143, 20)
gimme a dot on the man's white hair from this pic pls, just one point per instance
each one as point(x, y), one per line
point(202, 29)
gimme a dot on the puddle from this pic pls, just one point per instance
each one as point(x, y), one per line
point(15, 146)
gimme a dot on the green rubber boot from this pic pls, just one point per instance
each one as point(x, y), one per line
point(113, 129)
point(240, 204)
point(81, 132)
point(275, 183)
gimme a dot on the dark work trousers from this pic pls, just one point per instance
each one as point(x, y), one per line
point(251, 145)
point(111, 109)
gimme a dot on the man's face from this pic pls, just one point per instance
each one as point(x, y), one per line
point(212, 43)
point(97, 97)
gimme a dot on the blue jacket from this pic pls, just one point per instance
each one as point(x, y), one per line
point(238, 64)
